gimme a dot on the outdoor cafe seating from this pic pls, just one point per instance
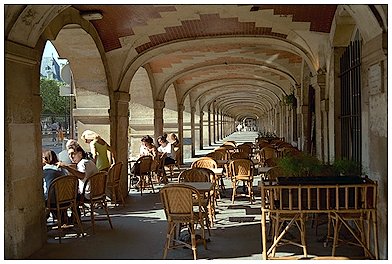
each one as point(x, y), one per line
point(343, 198)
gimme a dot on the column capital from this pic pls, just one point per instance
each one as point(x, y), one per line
point(159, 104)
point(120, 96)
point(180, 107)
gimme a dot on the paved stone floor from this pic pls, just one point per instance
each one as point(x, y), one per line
point(140, 229)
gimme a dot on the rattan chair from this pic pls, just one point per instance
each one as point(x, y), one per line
point(239, 155)
point(178, 202)
point(94, 194)
point(245, 148)
point(144, 173)
point(202, 175)
point(62, 193)
point(114, 183)
point(158, 169)
point(267, 153)
point(176, 164)
point(205, 162)
point(241, 170)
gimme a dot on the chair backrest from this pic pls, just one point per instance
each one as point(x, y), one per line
point(241, 167)
point(229, 148)
point(145, 164)
point(245, 148)
point(273, 174)
point(194, 175)
point(157, 162)
point(229, 143)
point(217, 155)
point(271, 162)
point(177, 200)
point(205, 162)
point(224, 152)
point(63, 190)
point(268, 152)
point(95, 185)
point(239, 155)
point(114, 172)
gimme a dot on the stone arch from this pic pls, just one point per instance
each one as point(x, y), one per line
point(141, 109)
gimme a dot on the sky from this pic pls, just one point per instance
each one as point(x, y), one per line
point(49, 50)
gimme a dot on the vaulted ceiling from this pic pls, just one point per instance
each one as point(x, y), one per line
point(243, 57)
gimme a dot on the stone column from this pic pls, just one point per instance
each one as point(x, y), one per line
point(201, 123)
point(318, 83)
point(180, 110)
point(158, 118)
point(193, 132)
point(306, 122)
point(209, 126)
point(214, 124)
point(119, 122)
point(24, 207)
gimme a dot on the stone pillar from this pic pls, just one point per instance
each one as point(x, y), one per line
point(158, 118)
point(214, 123)
point(24, 206)
point(119, 122)
point(193, 132)
point(306, 122)
point(180, 110)
point(209, 126)
point(201, 123)
point(318, 83)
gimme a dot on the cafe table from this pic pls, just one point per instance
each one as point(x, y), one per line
point(263, 170)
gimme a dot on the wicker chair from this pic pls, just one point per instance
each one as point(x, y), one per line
point(176, 164)
point(62, 193)
point(245, 148)
point(144, 163)
point(202, 175)
point(205, 162)
point(114, 183)
point(242, 170)
point(94, 194)
point(158, 169)
point(178, 202)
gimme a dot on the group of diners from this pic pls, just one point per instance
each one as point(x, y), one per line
point(74, 160)
point(164, 154)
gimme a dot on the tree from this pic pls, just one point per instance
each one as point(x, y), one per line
point(52, 103)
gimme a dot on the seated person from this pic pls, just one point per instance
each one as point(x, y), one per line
point(173, 139)
point(147, 148)
point(166, 147)
point(50, 172)
point(84, 167)
point(63, 155)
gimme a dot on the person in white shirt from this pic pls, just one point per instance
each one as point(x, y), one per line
point(166, 147)
point(84, 167)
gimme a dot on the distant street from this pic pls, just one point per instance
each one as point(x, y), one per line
point(47, 143)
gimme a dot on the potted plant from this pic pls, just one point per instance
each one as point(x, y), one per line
point(290, 100)
point(345, 167)
point(299, 165)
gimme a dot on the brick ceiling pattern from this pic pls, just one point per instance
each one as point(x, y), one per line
point(272, 68)
point(120, 20)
